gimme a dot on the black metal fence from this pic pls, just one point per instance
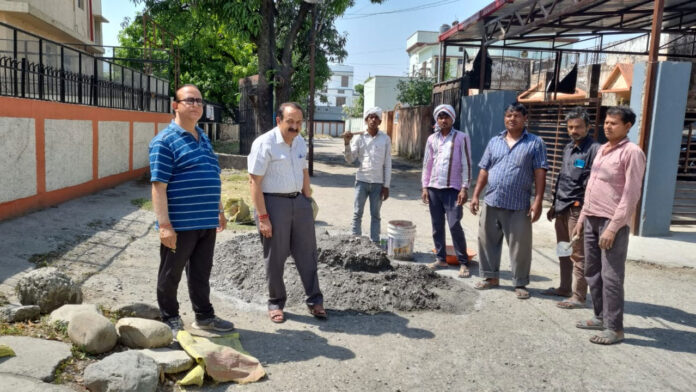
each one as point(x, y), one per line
point(36, 68)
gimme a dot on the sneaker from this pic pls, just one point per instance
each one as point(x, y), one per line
point(213, 324)
point(175, 324)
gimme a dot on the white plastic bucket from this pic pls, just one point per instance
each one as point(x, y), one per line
point(400, 237)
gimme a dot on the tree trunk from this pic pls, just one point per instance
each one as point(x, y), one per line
point(265, 43)
point(285, 70)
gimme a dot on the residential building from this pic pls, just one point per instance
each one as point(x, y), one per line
point(423, 49)
point(382, 91)
point(76, 22)
point(338, 90)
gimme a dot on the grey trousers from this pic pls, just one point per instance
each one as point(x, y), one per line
point(293, 234)
point(516, 227)
point(604, 270)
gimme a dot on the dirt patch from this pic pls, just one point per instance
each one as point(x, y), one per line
point(354, 274)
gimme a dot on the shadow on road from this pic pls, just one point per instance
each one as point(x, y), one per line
point(287, 345)
point(357, 323)
point(662, 338)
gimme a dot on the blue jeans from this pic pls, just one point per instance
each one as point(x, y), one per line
point(363, 190)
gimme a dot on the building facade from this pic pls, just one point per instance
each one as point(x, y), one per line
point(382, 91)
point(338, 90)
point(75, 22)
point(423, 49)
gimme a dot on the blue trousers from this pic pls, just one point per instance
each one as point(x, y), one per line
point(443, 202)
point(363, 190)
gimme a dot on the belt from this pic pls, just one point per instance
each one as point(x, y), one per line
point(290, 195)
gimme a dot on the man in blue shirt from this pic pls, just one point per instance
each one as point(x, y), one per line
point(185, 178)
point(514, 167)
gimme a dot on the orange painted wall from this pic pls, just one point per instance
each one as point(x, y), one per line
point(42, 110)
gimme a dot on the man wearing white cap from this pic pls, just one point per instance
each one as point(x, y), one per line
point(445, 179)
point(372, 149)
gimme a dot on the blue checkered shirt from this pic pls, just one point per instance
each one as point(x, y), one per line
point(511, 170)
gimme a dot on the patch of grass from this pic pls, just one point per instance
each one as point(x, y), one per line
point(95, 224)
point(226, 147)
point(42, 329)
point(141, 202)
point(45, 259)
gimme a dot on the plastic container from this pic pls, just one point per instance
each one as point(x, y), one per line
point(400, 237)
point(451, 257)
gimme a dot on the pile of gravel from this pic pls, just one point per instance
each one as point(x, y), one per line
point(354, 274)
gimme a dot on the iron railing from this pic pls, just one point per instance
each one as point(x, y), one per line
point(37, 68)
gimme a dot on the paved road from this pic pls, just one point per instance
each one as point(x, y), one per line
point(502, 344)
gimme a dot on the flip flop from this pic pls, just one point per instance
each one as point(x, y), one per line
point(594, 324)
point(521, 292)
point(552, 291)
point(607, 337)
point(464, 271)
point(486, 284)
point(276, 315)
point(317, 310)
point(570, 304)
point(435, 265)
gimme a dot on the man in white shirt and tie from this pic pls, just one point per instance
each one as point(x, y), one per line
point(280, 192)
point(372, 149)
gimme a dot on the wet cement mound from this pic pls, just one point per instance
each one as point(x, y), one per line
point(354, 274)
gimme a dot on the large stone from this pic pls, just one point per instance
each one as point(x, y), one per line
point(3, 299)
point(34, 357)
point(138, 309)
point(15, 313)
point(66, 312)
point(130, 371)
point(143, 333)
point(48, 288)
point(92, 332)
point(14, 382)
point(169, 360)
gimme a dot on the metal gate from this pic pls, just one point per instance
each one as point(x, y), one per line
point(684, 209)
point(547, 120)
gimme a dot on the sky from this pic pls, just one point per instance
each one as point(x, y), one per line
point(377, 33)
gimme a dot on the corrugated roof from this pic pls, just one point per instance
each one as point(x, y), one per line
point(548, 19)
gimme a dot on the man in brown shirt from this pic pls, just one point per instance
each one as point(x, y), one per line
point(610, 200)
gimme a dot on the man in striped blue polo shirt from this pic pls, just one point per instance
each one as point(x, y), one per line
point(514, 168)
point(185, 177)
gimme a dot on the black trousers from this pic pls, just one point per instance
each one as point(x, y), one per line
point(194, 253)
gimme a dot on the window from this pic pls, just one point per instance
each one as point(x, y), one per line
point(340, 91)
point(340, 101)
point(81, 4)
point(344, 81)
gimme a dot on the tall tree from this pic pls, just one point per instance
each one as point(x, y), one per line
point(278, 30)
point(274, 26)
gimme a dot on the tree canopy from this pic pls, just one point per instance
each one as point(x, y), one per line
point(222, 41)
point(415, 91)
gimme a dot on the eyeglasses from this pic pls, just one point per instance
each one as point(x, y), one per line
point(192, 101)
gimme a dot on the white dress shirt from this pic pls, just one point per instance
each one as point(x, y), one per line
point(374, 155)
point(280, 165)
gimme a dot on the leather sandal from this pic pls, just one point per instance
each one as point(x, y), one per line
point(317, 310)
point(487, 283)
point(276, 315)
